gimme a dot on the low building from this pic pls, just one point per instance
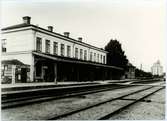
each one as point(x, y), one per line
point(14, 71)
point(130, 72)
point(157, 69)
point(52, 56)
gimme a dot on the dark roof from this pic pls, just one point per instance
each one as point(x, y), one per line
point(16, 26)
point(12, 62)
point(26, 25)
point(73, 60)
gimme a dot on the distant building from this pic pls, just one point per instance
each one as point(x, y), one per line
point(130, 72)
point(157, 69)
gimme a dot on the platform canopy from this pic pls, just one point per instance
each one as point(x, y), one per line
point(73, 60)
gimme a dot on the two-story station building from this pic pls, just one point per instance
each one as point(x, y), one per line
point(34, 54)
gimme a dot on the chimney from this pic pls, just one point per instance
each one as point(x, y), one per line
point(66, 34)
point(50, 28)
point(80, 39)
point(26, 19)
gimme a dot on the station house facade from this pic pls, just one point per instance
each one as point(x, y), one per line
point(34, 54)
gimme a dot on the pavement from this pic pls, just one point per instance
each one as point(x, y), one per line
point(49, 83)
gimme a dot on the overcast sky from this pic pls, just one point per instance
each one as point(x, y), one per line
point(138, 24)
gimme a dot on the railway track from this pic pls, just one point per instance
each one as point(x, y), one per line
point(146, 81)
point(83, 103)
point(141, 94)
point(21, 101)
point(107, 116)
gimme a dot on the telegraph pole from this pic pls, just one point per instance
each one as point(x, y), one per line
point(141, 66)
point(141, 70)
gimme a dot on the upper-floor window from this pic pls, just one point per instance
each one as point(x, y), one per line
point(47, 46)
point(101, 59)
point(39, 44)
point(76, 52)
point(104, 59)
point(62, 50)
point(5, 67)
point(3, 44)
point(81, 54)
point(68, 51)
point(95, 57)
point(55, 48)
point(85, 54)
point(90, 56)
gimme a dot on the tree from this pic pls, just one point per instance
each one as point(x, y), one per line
point(116, 56)
point(142, 74)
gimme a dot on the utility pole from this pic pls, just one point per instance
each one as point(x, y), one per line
point(141, 66)
point(141, 70)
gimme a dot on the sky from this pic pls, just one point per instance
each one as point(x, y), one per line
point(139, 25)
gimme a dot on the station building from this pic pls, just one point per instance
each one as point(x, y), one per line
point(34, 54)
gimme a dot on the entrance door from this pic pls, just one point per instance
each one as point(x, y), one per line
point(45, 71)
point(48, 74)
point(23, 75)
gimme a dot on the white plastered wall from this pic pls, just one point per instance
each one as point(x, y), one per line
point(19, 40)
point(71, 44)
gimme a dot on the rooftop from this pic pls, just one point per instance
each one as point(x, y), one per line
point(28, 24)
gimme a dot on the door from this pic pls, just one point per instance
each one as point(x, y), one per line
point(23, 75)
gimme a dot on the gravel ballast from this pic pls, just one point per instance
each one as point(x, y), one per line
point(97, 112)
point(153, 108)
point(45, 110)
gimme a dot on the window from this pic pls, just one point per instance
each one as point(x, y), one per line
point(76, 52)
point(101, 59)
point(3, 45)
point(97, 57)
point(81, 54)
point(94, 57)
point(62, 50)
point(104, 59)
point(68, 51)
point(47, 46)
point(39, 44)
point(85, 54)
point(55, 48)
point(90, 56)
point(5, 67)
